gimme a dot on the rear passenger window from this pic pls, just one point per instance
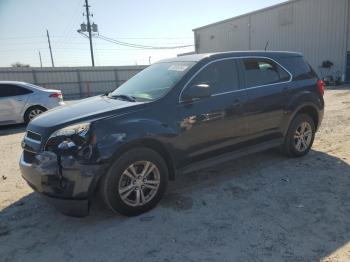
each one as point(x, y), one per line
point(260, 72)
point(8, 90)
point(222, 76)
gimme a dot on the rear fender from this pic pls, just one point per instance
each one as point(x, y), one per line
point(299, 102)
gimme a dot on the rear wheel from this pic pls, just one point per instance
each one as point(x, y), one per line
point(300, 136)
point(32, 113)
point(135, 183)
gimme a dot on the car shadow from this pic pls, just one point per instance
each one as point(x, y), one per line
point(263, 207)
point(12, 129)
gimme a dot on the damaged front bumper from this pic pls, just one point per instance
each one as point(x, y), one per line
point(65, 182)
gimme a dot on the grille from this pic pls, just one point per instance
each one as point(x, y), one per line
point(34, 136)
point(28, 157)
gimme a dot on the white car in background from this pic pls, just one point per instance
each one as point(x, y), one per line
point(20, 102)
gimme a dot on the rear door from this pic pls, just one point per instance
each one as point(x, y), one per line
point(210, 126)
point(13, 98)
point(267, 84)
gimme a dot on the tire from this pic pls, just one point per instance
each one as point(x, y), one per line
point(33, 112)
point(120, 188)
point(300, 136)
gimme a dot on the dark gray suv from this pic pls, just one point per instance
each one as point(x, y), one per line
point(178, 115)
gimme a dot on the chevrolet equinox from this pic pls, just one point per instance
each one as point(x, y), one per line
point(178, 115)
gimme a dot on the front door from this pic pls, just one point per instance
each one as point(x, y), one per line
point(210, 125)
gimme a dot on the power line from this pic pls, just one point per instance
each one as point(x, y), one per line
point(20, 37)
point(142, 38)
point(147, 38)
point(111, 40)
point(67, 34)
point(23, 43)
point(43, 44)
point(76, 49)
point(59, 39)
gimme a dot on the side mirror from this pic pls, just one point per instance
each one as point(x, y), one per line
point(195, 92)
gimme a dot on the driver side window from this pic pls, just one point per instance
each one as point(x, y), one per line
point(221, 76)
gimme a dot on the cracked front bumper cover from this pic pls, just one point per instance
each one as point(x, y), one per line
point(69, 185)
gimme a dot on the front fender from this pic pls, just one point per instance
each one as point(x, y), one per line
point(112, 136)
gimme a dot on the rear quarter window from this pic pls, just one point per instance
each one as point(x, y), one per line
point(299, 68)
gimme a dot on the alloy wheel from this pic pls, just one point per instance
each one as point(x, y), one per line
point(139, 183)
point(303, 137)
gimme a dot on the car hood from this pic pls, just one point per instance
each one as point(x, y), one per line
point(89, 109)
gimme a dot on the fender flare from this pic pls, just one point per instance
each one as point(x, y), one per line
point(309, 108)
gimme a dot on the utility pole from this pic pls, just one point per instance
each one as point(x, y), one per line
point(48, 39)
point(41, 62)
point(89, 31)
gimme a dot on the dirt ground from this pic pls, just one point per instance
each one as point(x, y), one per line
point(264, 207)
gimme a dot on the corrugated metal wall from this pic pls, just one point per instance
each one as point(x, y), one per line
point(228, 36)
point(317, 28)
point(75, 82)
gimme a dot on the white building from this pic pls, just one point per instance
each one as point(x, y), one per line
point(317, 28)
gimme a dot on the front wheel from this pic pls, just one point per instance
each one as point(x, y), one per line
point(135, 183)
point(300, 136)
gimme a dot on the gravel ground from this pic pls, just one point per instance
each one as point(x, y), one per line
point(265, 207)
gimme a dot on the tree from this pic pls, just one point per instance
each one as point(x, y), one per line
point(18, 64)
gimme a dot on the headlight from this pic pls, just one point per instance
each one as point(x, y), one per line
point(78, 129)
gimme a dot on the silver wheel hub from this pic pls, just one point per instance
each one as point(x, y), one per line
point(303, 137)
point(139, 183)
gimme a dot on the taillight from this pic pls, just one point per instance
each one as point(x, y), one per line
point(56, 95)
point(321, 86)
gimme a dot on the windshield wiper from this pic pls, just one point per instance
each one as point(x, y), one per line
point(123, 97)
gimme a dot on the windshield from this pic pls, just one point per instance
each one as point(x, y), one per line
point(154, 82)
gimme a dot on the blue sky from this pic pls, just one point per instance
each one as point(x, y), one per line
point(151, 22)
